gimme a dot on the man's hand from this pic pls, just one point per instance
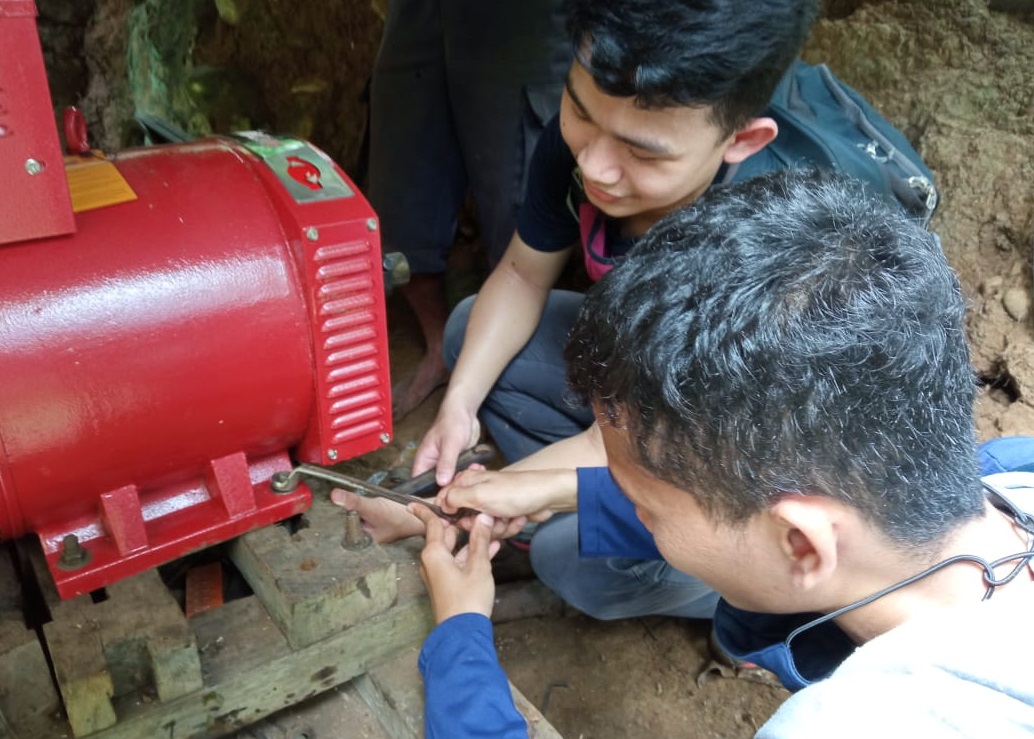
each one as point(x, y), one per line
point(535, 494)
point(384, 520)
point(502, 319)
point(453, 431)
point(461, 582)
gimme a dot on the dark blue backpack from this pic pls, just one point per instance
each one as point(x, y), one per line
point(826, 124)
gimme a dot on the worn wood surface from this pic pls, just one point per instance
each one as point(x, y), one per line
point(312, 586)
point(127, 663)
point(28, 698)
point(135, 641)
point(395, 693)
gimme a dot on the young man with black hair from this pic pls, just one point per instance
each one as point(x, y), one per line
point(663, 95)
point(782, 382)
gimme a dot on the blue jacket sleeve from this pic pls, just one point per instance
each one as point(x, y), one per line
point(466, 691)
point(607, 523)
point(1007, 454)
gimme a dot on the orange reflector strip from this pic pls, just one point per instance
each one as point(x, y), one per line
point(95, 182)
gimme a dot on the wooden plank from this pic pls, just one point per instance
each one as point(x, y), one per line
point(311, 585)
point(28, 698)
point(251, 671)
point(113, 655)
point(116, 658)
point(395, 693)
point(538, 727)
point(137, 641)
point(339, 712)
point(83, 677)
point(6, 732)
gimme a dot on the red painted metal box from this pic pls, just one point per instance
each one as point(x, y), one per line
point(34, 201)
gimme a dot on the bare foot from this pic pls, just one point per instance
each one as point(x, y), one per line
point(384, 520)
point(426, 296)
point(430, 375)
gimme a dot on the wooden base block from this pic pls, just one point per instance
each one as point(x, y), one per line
point(127, 663)
point(311, 585)
point(29, 703)
point(137, 640)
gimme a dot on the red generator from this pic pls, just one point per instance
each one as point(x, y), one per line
point(177, 323)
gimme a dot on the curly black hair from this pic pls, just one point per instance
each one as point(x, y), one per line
point(790, 334)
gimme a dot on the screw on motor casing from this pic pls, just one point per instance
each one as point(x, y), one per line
point(355, 535)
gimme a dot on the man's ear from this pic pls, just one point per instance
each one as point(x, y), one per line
point(750, 138)
point(807, 529)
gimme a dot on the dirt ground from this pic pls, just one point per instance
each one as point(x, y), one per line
point(958, 79)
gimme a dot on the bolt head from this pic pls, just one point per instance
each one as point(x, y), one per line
point(312, 233)
point(332, 453)
point(33, 167)
point(73, 555)
point(371, 224)
point(385, 438)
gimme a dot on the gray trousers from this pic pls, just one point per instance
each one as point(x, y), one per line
point(530, 407)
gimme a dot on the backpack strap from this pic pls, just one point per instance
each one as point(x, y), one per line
point(824, 123)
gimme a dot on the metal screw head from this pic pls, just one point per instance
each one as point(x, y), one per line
point(312, 233)
point(371, 224)
point(73, 556)
point(33, 167)
point(385, 438)
point(332, 453)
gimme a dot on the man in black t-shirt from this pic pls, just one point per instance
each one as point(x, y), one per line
point(661, 96)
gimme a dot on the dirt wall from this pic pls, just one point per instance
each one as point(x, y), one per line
point(957, 78)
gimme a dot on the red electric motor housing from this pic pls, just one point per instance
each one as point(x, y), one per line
point(159, 364)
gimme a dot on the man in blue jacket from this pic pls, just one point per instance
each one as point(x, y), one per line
point(782, 383)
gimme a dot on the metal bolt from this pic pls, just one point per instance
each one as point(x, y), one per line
point(385, 438)
point(355, 536)
point(33, 167)
point(332, 453)
point(371, 224)
point(312, 233)
point(73, 556)
point(283, 482)
point(396, 270)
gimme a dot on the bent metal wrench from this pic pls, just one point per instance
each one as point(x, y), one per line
point(284, 482)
